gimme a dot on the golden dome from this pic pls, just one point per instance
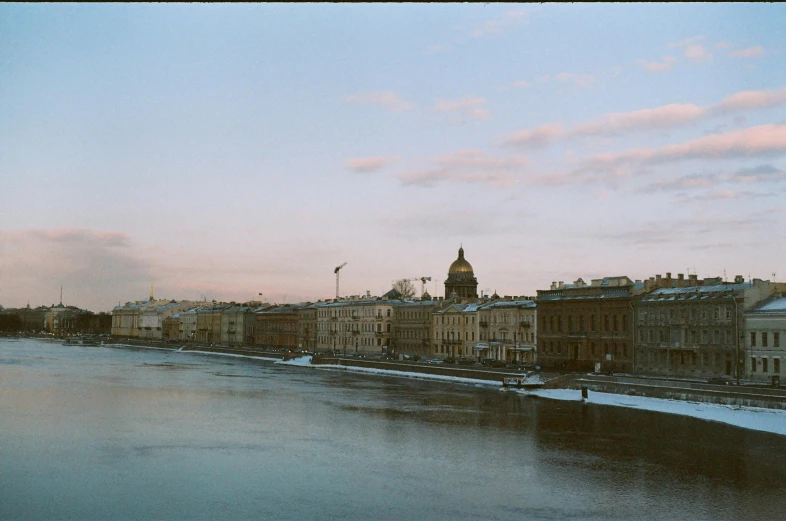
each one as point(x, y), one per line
point(460, 265)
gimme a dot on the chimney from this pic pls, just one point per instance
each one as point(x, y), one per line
point(553, 285)
point(668, 275)
point(561, 284)
point(739, 279)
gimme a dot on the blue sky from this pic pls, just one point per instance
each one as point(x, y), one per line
point(220, 151)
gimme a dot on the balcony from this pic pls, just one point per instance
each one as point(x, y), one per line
point(525, 324)
point(484, 323)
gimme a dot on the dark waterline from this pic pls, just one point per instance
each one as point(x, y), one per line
point(106, 433)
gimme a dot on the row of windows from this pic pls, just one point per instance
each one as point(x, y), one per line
point(765, 366)
point(452, 335)
point(461, 351)
point(523, 337)
point(367, 328)
point(595, 349)
point(352, 313)
point(452, 320)
point(342, 341)
point(765, 338)
point(655, 317)
point(581, 323)
point(690, 358)
point(692, 336)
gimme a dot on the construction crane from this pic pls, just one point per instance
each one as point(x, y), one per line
point(423, 284)
point(336, 270)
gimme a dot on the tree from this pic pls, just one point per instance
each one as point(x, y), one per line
point(404, 288)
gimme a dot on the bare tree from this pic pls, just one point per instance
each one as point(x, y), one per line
point(404, 288)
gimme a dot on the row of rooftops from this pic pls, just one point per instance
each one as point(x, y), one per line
point(655, 288)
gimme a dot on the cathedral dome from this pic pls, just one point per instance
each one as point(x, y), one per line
point(460, 265)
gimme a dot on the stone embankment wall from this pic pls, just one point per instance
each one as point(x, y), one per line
point(437, 369)
point(772, 398)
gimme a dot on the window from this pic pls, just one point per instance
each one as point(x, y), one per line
point(764, 340)
point(776, 365)
point(753, 363)
point(776, 340)
point(753, 339)
point(764, 367)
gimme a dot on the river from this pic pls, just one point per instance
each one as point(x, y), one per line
point(121, 433)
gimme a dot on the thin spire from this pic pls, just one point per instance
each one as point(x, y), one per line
point(61, 294)
point(151, 292)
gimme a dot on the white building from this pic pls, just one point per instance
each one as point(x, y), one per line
point(765, 339)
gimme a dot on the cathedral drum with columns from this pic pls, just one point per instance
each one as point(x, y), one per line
point(461, 281)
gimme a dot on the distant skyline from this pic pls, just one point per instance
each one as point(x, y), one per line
point(222, 151)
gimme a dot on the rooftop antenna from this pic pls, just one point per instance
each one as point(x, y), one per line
point(724, 274)
point(151, 292)
point(61, 294)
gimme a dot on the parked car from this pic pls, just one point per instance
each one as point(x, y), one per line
point(450, 360)
point(466, 361)
point(720, 380)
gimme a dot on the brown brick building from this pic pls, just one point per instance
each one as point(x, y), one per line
point(581, 325)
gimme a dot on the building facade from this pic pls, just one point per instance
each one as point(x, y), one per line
point(587, 326)
point(508, 330)
point(277, 327)
point(765, 340)
point(456, 329)
point(357, 325)
point(412, 331)
point(694, 328)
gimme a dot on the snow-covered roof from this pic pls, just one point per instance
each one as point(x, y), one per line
point(508, 304)
point(773, 306)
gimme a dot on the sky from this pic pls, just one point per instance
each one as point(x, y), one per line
point(223, 151)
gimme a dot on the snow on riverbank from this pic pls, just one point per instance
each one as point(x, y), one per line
point(755, 418)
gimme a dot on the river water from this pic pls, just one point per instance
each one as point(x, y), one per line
point(121, 433)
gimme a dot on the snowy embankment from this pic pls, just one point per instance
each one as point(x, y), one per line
point(755, 418)
point(306, 361)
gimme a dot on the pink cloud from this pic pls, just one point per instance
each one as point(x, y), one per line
point(750, 52)
point(521, 84)
point(697, 52)
point(667, 116)
point(370, 164)
point(498, 26)
point(466, 166)
point(661, 117)
point(536, 137)
point(752, 99)
point(754, 141)
point(386, 99)
point(664, 65)
point(471, 107)
point(579, 80)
